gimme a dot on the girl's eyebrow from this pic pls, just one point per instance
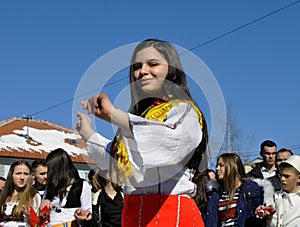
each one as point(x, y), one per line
point(150, 60)
point(153, 59)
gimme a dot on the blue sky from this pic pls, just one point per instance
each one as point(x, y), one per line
point(46, 48)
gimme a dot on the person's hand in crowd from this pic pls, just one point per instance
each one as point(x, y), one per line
point(47, 203)
point(265, 211)
point(82, 215)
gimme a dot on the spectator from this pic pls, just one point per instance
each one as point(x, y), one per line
point(2, 183)
point(282, 155)
point(267, 169)
point(238, 198)
point(107, 198)
point(211, 174)
point(18, 193)
point(284, 209)
point(65, 191)
point(206, 189)
point(39, 169)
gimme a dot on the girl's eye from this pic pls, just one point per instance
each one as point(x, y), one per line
point(136, 66)
point(153, 63)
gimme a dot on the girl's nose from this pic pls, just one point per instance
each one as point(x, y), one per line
point(144, 69)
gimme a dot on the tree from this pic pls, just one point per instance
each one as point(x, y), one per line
point(233, 136)
point(234, 141)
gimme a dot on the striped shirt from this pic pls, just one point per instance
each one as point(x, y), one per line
point(228, 211)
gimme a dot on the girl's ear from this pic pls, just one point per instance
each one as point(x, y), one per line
point(108, 176)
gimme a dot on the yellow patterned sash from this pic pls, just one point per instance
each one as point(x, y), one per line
point(158, 113)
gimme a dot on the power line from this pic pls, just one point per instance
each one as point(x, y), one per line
point(193, 48)
point(243, 26)
point(79, 96)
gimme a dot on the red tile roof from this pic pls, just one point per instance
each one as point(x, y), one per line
point(11, 127)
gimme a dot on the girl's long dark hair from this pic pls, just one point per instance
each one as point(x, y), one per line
point(61, 172)
point(177, 79)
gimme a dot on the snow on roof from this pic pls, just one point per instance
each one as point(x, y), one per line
point(36, 138)
point(41, 140)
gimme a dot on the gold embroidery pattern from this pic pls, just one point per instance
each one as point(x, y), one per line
point(157, 113)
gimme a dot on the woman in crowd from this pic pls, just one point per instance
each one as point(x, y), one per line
point(107, 198)
point(65, 191)
point(160, 142)
point(238, 198)
point(207, 187)
point(18, 193)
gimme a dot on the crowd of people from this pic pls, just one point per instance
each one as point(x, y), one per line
point(226, 196)
point(55, 183)
point(149, 175)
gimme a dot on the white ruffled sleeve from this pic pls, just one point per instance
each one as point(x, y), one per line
point(154, 144)
point(98, 148)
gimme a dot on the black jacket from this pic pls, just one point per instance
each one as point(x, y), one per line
point(256, 173)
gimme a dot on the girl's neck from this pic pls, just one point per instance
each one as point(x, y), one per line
point(238, 183)
point(14, 196)
point(110, 190)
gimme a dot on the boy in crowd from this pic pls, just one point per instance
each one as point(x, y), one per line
point(284, 210)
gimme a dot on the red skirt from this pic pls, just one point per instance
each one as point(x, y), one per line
point(160, 210)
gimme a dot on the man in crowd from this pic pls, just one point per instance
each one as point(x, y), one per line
point(39, 168)
point(282, 155)
point(267, 168)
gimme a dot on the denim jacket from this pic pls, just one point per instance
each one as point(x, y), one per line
point(250, 198)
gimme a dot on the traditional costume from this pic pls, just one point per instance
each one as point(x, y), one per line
point(153, 164)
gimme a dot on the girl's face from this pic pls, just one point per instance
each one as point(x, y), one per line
point(289, 180)
point(20, 176)
point(220, 169)
point(150, 70)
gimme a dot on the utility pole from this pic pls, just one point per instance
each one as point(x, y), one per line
point(228, 132)
point(27, 117)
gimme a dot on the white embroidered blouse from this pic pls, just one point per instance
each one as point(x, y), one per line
point(158, 152)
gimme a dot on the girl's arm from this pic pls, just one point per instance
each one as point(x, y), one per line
point(98, 147)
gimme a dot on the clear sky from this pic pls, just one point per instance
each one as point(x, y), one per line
point(47, 47)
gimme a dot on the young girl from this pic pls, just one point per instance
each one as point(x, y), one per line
point(238, 198)
point(17, 194)
point(160, 142)
point(65, 191)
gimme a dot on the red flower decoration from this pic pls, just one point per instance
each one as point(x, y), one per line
point(44, 216)
point(33, 218)
point(40, 220)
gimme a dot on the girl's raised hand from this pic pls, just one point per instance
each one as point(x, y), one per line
point(100, 106)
